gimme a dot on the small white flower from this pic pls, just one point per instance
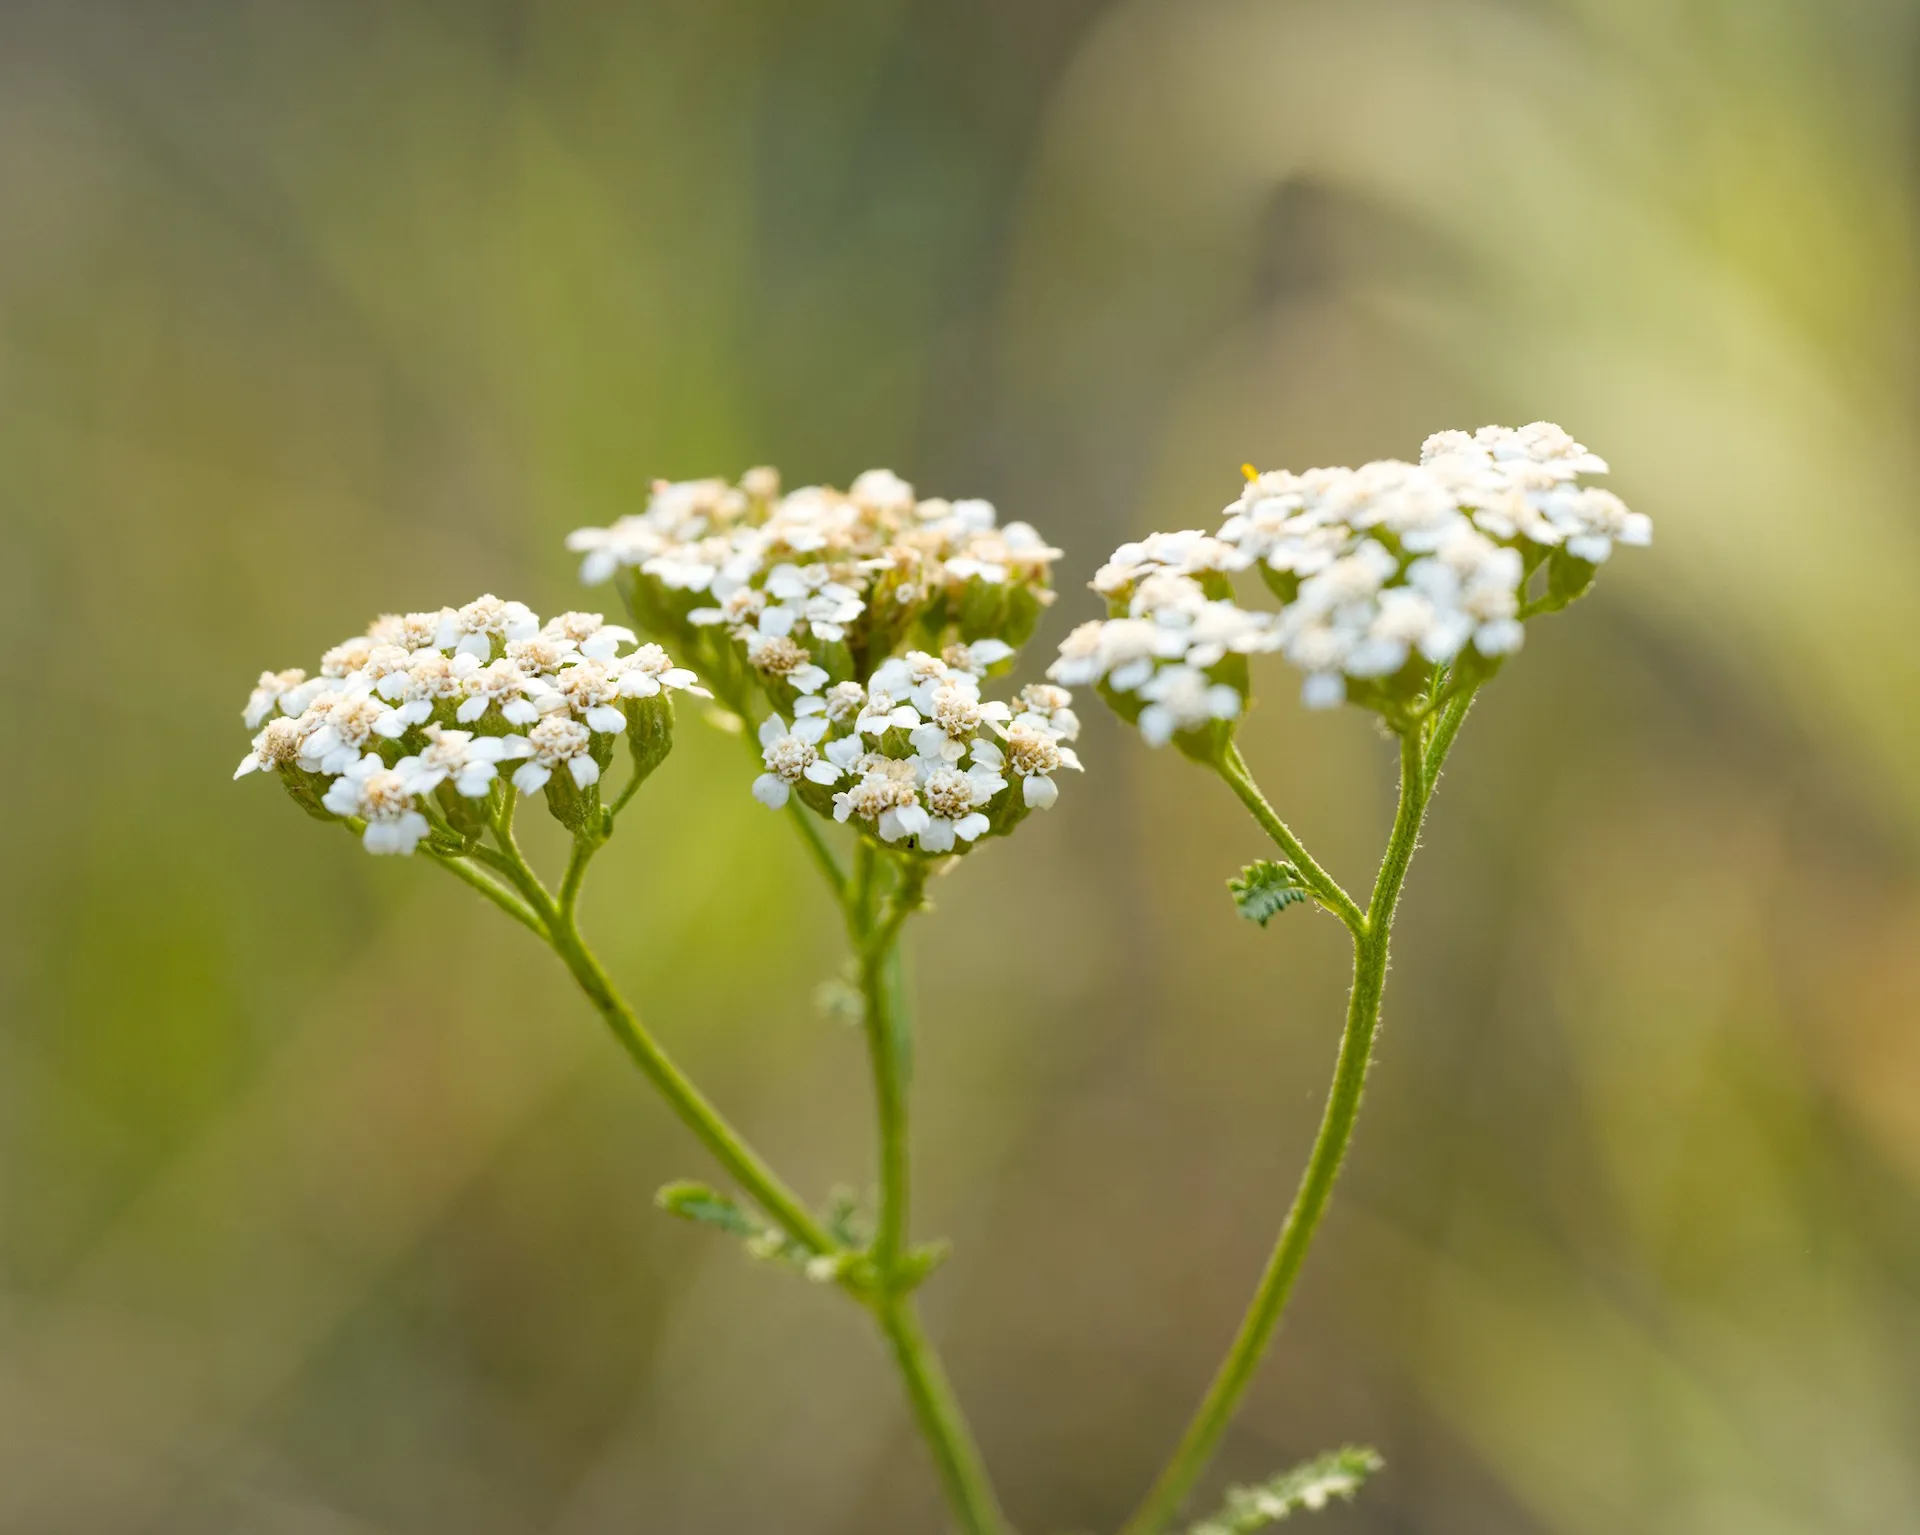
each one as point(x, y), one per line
point(429, 678)
point(953, 800)
point(978, 658)
point(790, 756)
point(502, 684)
point(1044, 706)
point(471, 630)
point(882, 491)
point(384, 799)
point(880, 714)
point(557, 740)
point(339, 732)
point(1594, 520)
point(268, 694)
point(469, 761)
point(1033, 756)
point(778, 656)
point(277, 746)
point(542, 655)
point(649, 669)
point(955, 715)
point(887, 793)
point(590, 633)
point(1181, 698)
point(592, 692)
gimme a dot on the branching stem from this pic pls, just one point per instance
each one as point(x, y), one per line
point(1326, 889)
point(1371, 929)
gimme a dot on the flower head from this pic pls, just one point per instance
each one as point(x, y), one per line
point(417, 716)
point(861, 628)
point(1396, 582)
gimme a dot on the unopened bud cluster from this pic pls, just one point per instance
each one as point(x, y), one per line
point(409, 727)
point(867, 622)
point(1393, 580)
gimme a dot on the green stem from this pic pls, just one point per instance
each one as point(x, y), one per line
point(781, 1204)
point(1445, 729)
point(1263, 1315)
point(888, 1049)
point(1326, 889)
point(817, 848)
point(942, 1423)
point(957, 1458)
point(492, 889)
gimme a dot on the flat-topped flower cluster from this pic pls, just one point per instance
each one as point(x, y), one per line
point(408, 727)
point(921, 754)
point(866, 622)
point(1386, 575)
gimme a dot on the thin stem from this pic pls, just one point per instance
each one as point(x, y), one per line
point(817, 849)
point(1323, 1165)
point(728, 1148)
point(942, 1423)
point(492, 889)
point(888, 1049)
point(803, 823)
point(570, 882)
point(957, 1458)
point(1326, 889)
point(1445, 729)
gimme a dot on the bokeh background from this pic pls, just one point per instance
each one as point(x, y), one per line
point(324, 1207)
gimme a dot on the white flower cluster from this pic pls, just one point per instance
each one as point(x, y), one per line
point(922, 754)
point(817, 586)
point(867, 621)
point(432, 704)
point(1384, 573)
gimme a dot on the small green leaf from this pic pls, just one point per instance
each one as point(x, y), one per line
point(1311, 1485)
point(1568, 578)
point(707, 1207)
point(846, 1217)
point(1265, 889)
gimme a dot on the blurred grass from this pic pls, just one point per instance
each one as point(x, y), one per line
point(322, 1206)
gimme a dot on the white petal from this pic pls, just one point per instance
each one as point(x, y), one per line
point(969, 827)
point(823, 772)
point(531, 777)
point(476, 645)
point(770, 791)
point(1324, 690)
point(1040, 792)
point(771, 729)
point(937, 836)
point(584, 769)
point(475, 780)
point(606, 719)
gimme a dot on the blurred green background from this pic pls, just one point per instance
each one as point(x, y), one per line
point(324, 1204)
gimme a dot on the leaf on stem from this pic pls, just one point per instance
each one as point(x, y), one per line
point(708, 1207)
point(1311, 1486)
point(1265, 889)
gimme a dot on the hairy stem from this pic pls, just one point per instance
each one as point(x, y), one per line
point(727, 1146)
point(876, 937)
point(1326, 889)
point(1269, 1302)
point(492, 889)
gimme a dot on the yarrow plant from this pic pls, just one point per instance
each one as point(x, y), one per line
point(1397, 588)
point(854, 640)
